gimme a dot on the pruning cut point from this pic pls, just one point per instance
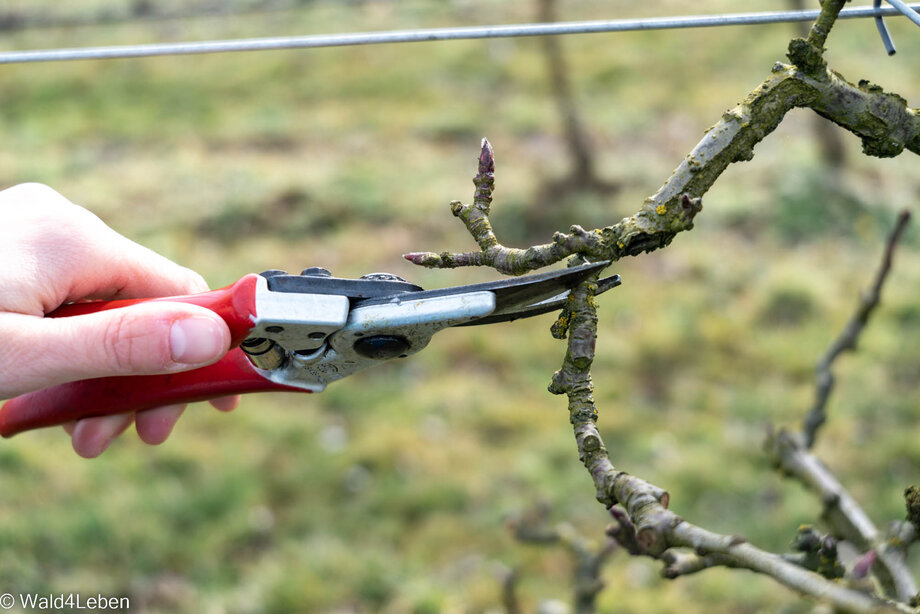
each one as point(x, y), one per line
point(591, 443)
point(560, 383)
point(806, 56)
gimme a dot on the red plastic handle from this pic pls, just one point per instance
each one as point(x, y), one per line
point(233, 374)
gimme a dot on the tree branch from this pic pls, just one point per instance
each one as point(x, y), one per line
point(882, 120)
point(657, 528)
point(830, 9)
point(842, 513)
point(886, 126)
point(849, 336)
point(790, 452)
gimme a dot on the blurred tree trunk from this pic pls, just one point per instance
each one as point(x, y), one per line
point(576, 138)
point(582, 174)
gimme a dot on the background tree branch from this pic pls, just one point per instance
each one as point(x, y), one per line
point(790, 451)
point(849, 336)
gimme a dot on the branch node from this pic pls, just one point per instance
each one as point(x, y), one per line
point(807, 57)
point(561, 382)
point(651, 541)
point(736, 540)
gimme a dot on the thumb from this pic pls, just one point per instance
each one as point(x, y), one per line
point(142, 339)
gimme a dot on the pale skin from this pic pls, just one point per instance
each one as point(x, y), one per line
point(53, 252)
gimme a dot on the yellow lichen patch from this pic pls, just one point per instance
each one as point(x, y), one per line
point(661, 209)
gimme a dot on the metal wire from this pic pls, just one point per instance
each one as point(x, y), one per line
point(883, 31)
point(905, 10)
point(433, 34)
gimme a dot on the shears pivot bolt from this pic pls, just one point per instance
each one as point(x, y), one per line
point(382, 347)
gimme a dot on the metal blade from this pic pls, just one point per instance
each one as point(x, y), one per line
point(515, 297)
point(551, 304)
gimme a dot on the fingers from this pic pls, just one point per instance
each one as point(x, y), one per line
point(155, 425)
point(54, 251)
point(93, 435)
point(133, 271)
point(142, 339)
point(226, 403)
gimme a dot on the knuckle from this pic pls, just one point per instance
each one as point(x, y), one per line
point(38, 197)
point(118, 347)
point(35, 202)
point(32, 191)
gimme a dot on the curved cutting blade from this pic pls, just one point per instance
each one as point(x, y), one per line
point(518, 297)
point(551, 304)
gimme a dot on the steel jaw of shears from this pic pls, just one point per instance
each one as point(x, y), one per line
point(299, 333)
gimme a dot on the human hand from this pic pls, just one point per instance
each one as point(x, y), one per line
point(53, 252)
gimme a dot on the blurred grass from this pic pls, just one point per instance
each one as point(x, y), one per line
point(389, 492)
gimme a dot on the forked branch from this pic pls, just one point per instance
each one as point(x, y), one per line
point(886, 126)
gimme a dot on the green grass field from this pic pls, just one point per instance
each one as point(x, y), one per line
point(391, 491)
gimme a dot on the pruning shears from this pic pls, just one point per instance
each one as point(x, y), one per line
point(298, 333)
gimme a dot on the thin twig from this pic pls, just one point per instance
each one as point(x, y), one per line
point(589, 558)
point(790, 452)
point(849, 336)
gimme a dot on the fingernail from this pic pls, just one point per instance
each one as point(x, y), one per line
point(196, 340)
